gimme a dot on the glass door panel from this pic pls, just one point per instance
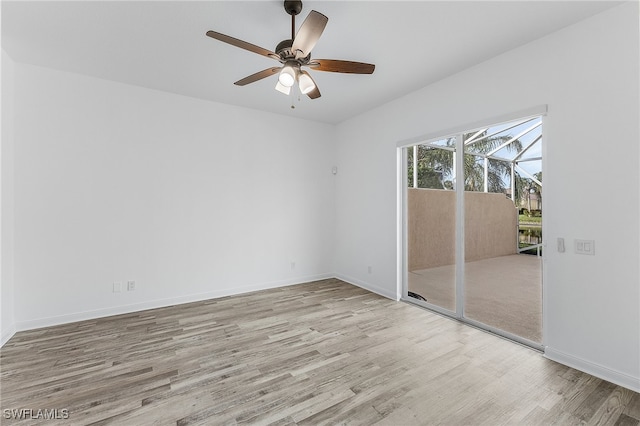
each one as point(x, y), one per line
point(431, 227)
point(502, 284)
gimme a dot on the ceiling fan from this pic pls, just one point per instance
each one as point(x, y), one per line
point(295, 53)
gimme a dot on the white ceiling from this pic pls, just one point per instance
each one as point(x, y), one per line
point(162, 45)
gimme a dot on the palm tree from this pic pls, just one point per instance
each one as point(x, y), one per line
point(525, 187)
point(537, 189)
point(435, 166)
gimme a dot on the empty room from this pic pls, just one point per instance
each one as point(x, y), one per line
point(320, 212)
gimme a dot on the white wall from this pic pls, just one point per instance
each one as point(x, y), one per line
point(7, 316)
point(190, 199)
point(588, 76)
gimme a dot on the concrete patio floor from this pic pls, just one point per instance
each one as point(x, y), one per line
point(504, 292)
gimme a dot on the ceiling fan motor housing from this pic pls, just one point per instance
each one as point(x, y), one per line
point(283, 49)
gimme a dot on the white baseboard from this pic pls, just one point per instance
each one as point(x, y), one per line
point(368, 286)
point(596, 370)
point(7, 334)
point(159, 303)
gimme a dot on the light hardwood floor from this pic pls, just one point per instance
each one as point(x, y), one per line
point(319, 353)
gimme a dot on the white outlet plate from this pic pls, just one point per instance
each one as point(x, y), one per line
point(117, 286)
point(587, 247)
point(131, 285)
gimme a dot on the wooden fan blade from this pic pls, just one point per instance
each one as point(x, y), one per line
point(336, 65)
point(308, 34)
point(257, 76)
point(315, 93)
point(242, 44)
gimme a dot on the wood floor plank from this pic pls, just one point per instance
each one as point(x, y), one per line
point(321, 353)
point(612, 406)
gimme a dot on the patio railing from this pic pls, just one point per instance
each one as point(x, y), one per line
point(538, 248)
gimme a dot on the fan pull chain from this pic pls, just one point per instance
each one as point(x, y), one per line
point(293, 95)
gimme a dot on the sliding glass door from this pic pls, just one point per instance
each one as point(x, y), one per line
point(465, 198)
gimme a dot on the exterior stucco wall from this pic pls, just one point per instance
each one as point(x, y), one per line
point(490, 227)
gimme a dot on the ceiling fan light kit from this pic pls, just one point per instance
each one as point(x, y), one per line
point(283, 89)
point(305, 83)
point(295, 53)
point(288, 74)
